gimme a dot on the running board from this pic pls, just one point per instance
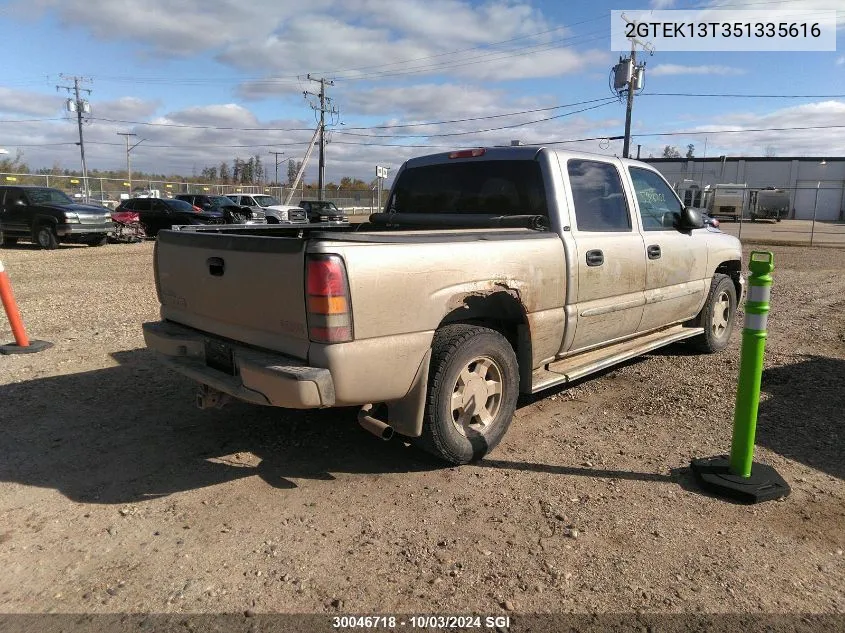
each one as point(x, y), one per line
point(586, 363)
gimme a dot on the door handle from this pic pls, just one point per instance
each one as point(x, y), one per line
point(653, 251)
point(595, 258)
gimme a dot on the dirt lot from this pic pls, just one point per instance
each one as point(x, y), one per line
point(118, 495)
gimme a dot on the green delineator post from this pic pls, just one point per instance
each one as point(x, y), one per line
point(738, 476)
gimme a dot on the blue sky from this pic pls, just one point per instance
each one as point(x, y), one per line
point(230, 64)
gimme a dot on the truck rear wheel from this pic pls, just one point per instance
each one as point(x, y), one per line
point(472, 391)
point(717, 316)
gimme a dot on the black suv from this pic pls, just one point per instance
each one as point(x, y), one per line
point(234, 213)
point(156, 214)
point(48, 216)
point(323, 211)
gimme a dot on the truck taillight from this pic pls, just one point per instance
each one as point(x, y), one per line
point(327, 297)
point(468, 153)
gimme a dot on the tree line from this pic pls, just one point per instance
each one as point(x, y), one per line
point(250, 171)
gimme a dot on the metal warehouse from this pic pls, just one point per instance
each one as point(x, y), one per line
point(816, 186)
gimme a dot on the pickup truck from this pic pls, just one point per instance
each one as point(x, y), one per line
point(48, 216)
point(274, 211)
point(323, 211)
point(492, 272)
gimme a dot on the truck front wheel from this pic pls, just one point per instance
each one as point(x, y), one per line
point(45, 237)
point(472, 391)
point(717, 316)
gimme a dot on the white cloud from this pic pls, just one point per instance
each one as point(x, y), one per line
point(807, 142)
point(126, 108)
point(661, 4)
point(662, 70)
point(25, 102)
point(775, 10)
point(167, 27)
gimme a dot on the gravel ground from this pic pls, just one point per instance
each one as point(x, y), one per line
point(118, 495)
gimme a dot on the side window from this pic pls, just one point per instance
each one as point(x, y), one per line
point(247, 201)
point(658, 203)
point(142, 204)
point(598, 196)
point(13, 196)
point(159, 206)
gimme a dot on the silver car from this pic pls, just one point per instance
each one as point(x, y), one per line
point(275, 211)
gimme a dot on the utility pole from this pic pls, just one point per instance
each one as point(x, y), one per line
point(277, 154)
point(321, 171)
point(128, 161)
point(80, 106)
point(628, 77)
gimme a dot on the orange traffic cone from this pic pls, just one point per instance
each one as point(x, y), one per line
point(22, 344)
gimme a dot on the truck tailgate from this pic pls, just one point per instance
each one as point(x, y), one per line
point(243, 287)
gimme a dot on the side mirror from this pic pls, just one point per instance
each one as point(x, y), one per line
point(690, 219)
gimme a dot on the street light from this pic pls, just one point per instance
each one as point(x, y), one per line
point(822, 163)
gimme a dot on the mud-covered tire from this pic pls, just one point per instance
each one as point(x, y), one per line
point(473, 385)
point(45, 236)
point(717, 317)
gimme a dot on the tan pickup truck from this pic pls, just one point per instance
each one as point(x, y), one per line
point(492, 272)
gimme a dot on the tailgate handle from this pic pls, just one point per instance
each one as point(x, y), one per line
point(216, 266)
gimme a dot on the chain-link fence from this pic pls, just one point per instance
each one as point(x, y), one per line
point(110, 191)
point(812, 213)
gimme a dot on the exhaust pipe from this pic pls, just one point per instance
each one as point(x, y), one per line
point(209, 398)
point(376, 427)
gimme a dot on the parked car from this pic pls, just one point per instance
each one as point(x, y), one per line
point(234, 213)
point(156, 214)
point(48, 216)
point(493, 272)
point(708, 219)
point(274, 211)
point(323, 211)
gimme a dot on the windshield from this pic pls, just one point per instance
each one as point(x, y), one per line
point(180, 205)
point(220, 201)
point(501, 187)
point(265, 201)
point(47, 196)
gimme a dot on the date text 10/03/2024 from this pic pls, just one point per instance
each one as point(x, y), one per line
point(500, 622)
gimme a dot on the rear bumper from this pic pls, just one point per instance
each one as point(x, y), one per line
point(262, 378)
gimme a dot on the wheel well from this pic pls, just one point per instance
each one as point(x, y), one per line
point(503, 312)
point(733, 269)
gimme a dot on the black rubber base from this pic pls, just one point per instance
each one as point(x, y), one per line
point(34, 346)
point(715, 476)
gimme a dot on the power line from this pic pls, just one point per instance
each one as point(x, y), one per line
point(739, 95)
point(479, 59)
point(607, 101)
point(400, 145)
point(345, 128)
point(337, 72)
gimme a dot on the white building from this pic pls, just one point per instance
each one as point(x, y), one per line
point(813, 183)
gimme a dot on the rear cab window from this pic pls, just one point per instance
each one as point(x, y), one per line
point(500, 187)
